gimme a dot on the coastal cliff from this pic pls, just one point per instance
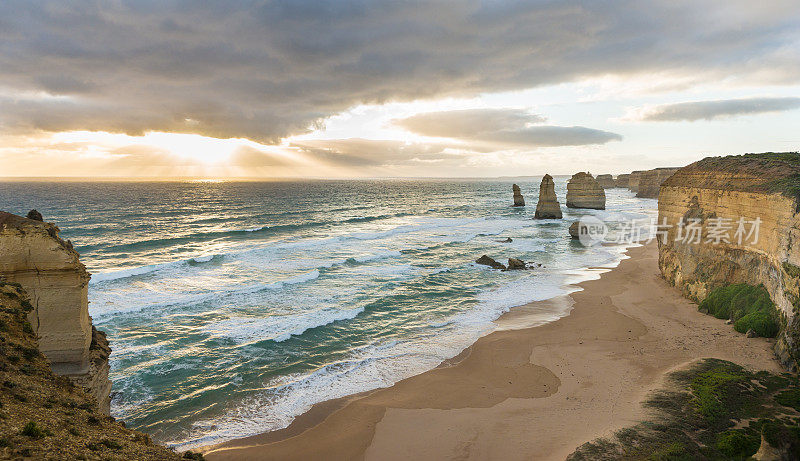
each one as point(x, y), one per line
point(745, 214)
point(650, 181)
point(46, 416)
point(48, 269)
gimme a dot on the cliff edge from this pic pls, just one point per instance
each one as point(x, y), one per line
point(46, 416)
point(734, 220)
point(49, 270)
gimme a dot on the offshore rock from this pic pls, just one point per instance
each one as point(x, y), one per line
point(518, 199)
point(606, 181)
point(583, 191)
point(633, 180)
point(487, 261)
point(548, 206)
point(622, 180)
point(574, 230)
point(516, 264)
point(48, 269)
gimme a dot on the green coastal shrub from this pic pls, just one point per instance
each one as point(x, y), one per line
point(750, 307)
point(789, 398)
point(738, 444)
point(712, 388)
point(762, 323)
point(33, 430)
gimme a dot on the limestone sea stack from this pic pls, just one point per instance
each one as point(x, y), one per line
point(48, 269)
point(622, 180)
point(583, 191)
point(633, 180)
point(548, 206)
point(606, 181)
point(519, 200)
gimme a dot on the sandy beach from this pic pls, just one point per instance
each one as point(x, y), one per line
point(525, 392)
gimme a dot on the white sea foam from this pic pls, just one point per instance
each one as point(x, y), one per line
point(272, 291)
point(276, 327)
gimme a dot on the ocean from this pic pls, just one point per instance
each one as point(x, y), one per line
point(233, 307)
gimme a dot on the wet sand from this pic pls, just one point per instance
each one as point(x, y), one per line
point(524, 392)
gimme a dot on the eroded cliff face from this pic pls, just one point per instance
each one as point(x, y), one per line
point(650, 181)
point(45, 416)
point(749, 232)
point(633, 180)
point(606, 181)
point(48, 269)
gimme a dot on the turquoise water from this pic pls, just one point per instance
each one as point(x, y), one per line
point(232, 307)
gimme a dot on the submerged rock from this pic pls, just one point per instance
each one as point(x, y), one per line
point(548, 206)
point(516, 264)
point(519, 200)
point(35, 215)
point(487, 261)
point(583, 191)
point(507, 240)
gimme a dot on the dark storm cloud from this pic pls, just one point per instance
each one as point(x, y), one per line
point(724, 108)
point(502, 127)
point(267, 69)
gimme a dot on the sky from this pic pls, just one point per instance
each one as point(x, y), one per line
point(363, 89)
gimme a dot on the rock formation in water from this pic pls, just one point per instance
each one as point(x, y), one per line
point(606, 181)
point(516, 264)
point(633, 181)
point(650, 181)
point(548, 206)
point(48, 269)
point(574, 230)
point(622, 181)
point(519, 200)
point(583, 191)
point(735, 220)
point(487, 261)
point(45, 416)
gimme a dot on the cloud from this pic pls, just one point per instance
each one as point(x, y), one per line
point(710, 110)
point(502, 128)
point(264, 70)
point(463, 123)
point(357, 152)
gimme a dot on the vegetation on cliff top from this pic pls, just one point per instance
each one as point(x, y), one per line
point(713, 410)
point(44, 416)
point(749, 307)
point(770, 172)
